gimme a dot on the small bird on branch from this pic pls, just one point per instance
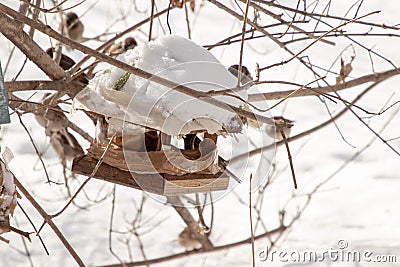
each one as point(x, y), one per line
point(73, 27)
point(245, 77)
point(188, 240)
point(123, 46)
point(62, 141)
point(281, 123)
point(66, 63)
point(281, 131)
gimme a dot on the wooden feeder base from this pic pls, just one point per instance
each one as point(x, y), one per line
point(162, 184)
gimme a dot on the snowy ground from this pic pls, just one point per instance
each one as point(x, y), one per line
point(359, 205)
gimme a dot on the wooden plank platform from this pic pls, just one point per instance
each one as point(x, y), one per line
point(162, 184)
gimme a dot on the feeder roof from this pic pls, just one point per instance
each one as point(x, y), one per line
point(152, 105)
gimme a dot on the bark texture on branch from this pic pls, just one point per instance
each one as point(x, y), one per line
point(12, 31)
point(69, 88)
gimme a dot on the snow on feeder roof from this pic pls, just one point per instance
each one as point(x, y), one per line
point(124, 97)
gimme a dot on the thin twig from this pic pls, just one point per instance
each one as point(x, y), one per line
point(9, 28)
point(190, 221)
point(316, 40)
point(8, 227)
point(277, 230)
point(35, 16)
point(242, 44)
point(54, 9)
point(151, 19)
point(35, 147)
point(319, 15)
point(187, 22)
point(325, 89)
point(305, 133)
point(109, 42)
point(253, 260)
point(50, 112)
point(289, 157)
point(48, 220)
point(133, 70)
point(310, 195)
point(100, 161)
point(289, 24)
point(110, 230)
point(293, 93)
point(168, 11)
point(228, 40)
point(200, 214)
point(34, 227)
point(28, 253)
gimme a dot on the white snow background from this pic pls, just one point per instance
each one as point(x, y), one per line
point(359, 205)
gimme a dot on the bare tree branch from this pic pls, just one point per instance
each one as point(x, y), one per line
point(10, 29)
point(376, 77)
point(190, 222)
point(49, 221)
point(60, 86)
point(307, 132)
point(133, 70)
point(277, 230)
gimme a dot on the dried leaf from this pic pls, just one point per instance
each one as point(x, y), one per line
point(192, 5)
point(7, 155)
point(344, 71)
point(4, 226)
point(13, 204)
point(177, 3)
point(180, 3)
point(8, 193)
point(4, 240)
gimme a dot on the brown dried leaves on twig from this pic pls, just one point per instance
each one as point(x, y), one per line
point(180, 3)
point(344, 70)
point(8, 197)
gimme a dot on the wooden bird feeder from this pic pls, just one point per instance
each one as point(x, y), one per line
point(156, 166)
point(144, 120)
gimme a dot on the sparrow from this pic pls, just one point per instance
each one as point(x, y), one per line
point(187, 240)
point(246, 75)
point(65, 145)
point(54, 123)
point(121, 47)
point(73, 27)
point(280, 124)
point(62, 141)
point(66, 63)
point(115, 50)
